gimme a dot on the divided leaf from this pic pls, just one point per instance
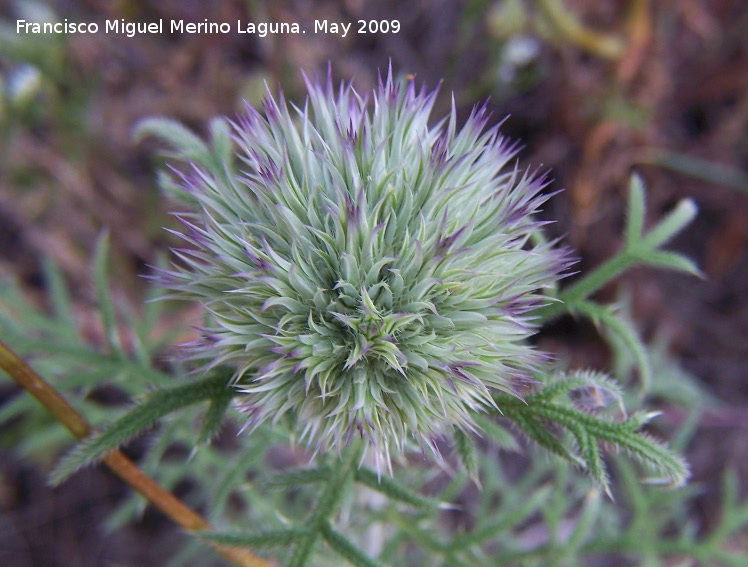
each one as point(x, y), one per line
point(543, 415)
point(155, 406)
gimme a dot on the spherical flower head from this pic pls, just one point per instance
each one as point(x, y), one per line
point(367, 274)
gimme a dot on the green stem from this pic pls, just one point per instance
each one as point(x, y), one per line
point(590, 283)
point(334, 490)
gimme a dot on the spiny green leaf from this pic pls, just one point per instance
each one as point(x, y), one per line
point(651, 452)
point(155, 406)
point(581, 381)
point(539, 433)
point(590, 454)
point(535, 417)
point(260, 539)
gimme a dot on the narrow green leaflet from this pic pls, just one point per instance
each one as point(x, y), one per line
point(346, 548)
point(155, 406)
point(259, 539)
point(639, 247)
point(396, 491)
point(106, 306)
point(536, 417)
point(612, 322)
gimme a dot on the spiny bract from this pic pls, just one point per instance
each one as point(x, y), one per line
point(367, 274)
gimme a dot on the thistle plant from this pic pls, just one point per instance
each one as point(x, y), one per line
point(372, 279)
point(367, 274)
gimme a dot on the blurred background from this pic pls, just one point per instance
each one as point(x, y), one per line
point(594, 90)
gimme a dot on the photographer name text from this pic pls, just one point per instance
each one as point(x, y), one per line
point(261, 29)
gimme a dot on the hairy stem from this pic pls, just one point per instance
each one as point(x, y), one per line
point(123, 467)
point(334, 490)
point(588, 284)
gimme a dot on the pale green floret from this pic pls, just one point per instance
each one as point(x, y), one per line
point(367, 274)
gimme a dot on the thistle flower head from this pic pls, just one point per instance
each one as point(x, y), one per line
point(367, 274)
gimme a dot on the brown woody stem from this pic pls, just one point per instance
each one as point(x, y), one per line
point(123, 467)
